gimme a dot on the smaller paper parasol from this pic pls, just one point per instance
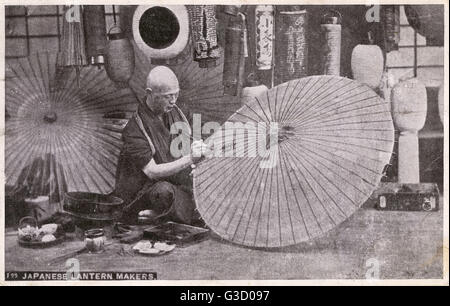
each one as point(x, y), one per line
point(64, 138)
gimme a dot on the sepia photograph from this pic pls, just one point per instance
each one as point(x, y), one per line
point(239, 142)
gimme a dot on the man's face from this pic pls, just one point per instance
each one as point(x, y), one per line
point(164, 103)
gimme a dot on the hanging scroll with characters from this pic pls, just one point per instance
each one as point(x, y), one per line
point(291, 45)
point(204, 34)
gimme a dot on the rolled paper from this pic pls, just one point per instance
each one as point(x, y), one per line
point(391, 23)
point(95, 32)
point(409, 105)
point(367, 65)
point(204, 34)
point(331, 37)
point(291, 46)
point(264, 20)
point(234, 58)
point(409, 111)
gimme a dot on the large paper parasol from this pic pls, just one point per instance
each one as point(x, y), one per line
point(61, 136)
point(335, 137)
point(201, 89)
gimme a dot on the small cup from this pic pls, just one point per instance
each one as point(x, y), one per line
point(95, 240)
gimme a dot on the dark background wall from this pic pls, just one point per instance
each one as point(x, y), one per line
point(31, 29)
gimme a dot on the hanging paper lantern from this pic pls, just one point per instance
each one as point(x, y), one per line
point(234, 56)
point(441, 103)
point(409, 111)
point(161, 31)
point(367, 64)
point(331, 36)
point(428, 21)
point(391, 24)
point(291, 46)
point(119, 57)
point(204, 35)
point(95, 31)
point(264, 36)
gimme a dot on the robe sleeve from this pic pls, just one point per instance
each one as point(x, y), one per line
point(136, 146)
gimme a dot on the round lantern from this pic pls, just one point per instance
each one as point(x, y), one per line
point(409, 111)
point(367, 65)
point(161, 31)
point(119, 57)
point(428, 21)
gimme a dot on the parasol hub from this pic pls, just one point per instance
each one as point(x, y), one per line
point(285, 133)
point(50, 117)
point(282, 134)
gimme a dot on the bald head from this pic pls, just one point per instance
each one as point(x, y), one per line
point(161, 80)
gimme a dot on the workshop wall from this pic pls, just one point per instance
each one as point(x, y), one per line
point(31, 29)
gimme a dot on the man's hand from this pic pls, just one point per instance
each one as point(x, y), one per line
point(198, 150)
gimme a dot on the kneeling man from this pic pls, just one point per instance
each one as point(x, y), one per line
point(150, 180)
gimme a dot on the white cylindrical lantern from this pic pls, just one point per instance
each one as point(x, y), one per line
point(367, 65)
point(331, 39)
point(409, 111)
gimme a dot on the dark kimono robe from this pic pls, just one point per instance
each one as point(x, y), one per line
point(133, 186)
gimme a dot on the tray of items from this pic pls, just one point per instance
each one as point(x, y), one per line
point(150, 248)
point(176, 233)
point(30, 235)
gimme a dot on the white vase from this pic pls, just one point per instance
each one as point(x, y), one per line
point(409, 111)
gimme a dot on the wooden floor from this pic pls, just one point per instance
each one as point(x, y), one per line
point(405, 244)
